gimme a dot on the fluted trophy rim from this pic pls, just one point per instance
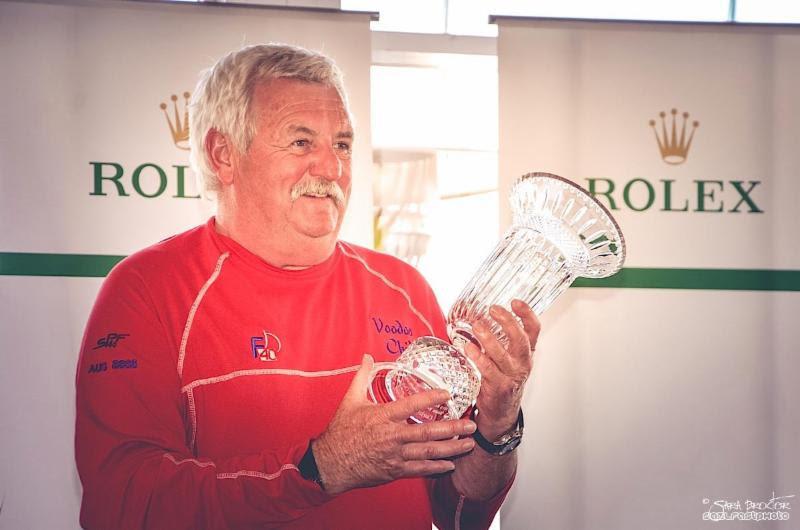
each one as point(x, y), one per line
point(604, 212)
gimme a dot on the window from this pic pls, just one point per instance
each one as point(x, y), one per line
point(471, 17)
point(434, 131)
point(777, 11)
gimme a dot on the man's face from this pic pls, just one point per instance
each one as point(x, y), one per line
point(287, 180)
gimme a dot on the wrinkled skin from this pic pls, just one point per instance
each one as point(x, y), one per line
point(367, 444)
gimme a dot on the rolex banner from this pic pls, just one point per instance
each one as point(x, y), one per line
point(93, 166)
point(665, 397)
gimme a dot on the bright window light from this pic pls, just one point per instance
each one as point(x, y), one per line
point(463, 232)
point(463, 173)
point(777, 11)
point(447, 113)
point(693, 10)
point(414, 16)
point(450, 106)
point(470, 17)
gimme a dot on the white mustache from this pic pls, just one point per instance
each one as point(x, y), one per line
point(318, 186)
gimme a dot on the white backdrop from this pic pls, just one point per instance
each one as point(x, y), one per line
point(648, 407)
point(82, 83)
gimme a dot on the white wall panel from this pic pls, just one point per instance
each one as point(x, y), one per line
point(644, 402)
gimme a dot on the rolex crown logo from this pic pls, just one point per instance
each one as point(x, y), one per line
point(179, 128)
point(674, 149)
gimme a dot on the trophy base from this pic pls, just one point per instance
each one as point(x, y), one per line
point(428, 363)
point(391, 382)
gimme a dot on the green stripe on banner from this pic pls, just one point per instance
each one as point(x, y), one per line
point(98, 266)
point(718, 279)
point(77, 265)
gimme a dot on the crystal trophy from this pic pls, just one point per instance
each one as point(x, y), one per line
point(559, 233)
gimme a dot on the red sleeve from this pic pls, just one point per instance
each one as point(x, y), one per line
point(131, 451)
point(452, 510)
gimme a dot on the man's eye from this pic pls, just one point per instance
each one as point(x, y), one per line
point(344, 146)
point(301, 143)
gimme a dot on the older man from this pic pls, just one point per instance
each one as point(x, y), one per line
point(235, 395)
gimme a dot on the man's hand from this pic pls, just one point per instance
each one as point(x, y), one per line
point(504, 371)
point(367, 444)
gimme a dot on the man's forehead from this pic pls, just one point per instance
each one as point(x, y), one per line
point(292, 94)
point(291, 103)
point(298, 128)
point(299, 104)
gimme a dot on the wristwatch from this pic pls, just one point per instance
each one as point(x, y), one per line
point(308, 467)
point(506, 443)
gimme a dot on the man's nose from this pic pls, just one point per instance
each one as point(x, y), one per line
point(326, 164)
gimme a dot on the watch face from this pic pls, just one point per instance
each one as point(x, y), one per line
point(507, 443)
point(511, 444)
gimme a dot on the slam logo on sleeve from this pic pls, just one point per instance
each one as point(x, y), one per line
point(110, 340)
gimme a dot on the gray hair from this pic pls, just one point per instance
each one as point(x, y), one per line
point(224, 94)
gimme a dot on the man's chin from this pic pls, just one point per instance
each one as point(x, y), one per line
point(320, 235)
point(319, 221)
point(323, 230)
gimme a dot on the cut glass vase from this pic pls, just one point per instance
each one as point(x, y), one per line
point(559, 233)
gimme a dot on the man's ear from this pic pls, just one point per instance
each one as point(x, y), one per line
point(219, 151)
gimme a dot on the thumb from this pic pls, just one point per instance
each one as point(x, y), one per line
point(361, 381)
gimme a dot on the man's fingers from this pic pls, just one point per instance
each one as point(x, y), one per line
point(422, 468)
point(530, 322)
point(518, 345)
point(486, 366)
point(437, 430)
point(493, 349)
point(403, 408)
point(359, 384)
point(437, 450)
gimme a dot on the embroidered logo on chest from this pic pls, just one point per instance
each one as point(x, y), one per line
point(397, 335)
point(265, 347)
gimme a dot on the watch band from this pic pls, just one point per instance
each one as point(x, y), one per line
point(308, 467)
point(506, 443)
